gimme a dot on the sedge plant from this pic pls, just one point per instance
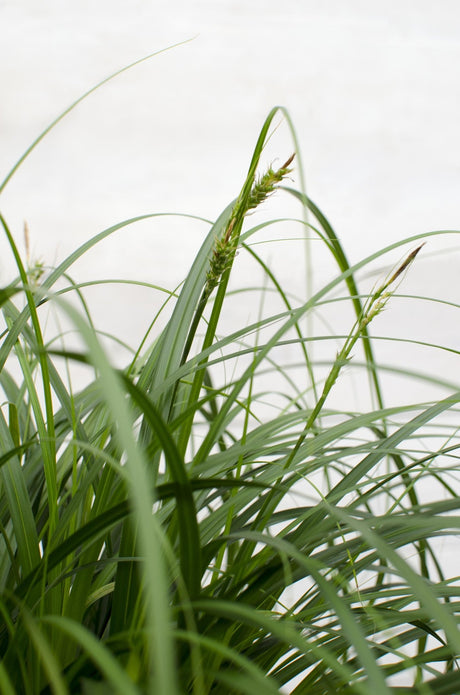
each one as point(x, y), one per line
point(161, 533)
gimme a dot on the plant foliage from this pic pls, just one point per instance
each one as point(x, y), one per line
point(161, 533)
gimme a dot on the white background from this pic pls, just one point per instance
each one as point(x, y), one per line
point(373, 89)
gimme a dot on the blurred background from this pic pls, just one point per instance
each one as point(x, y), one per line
point(373, 90)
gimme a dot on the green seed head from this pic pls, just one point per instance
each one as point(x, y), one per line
point(225, 248)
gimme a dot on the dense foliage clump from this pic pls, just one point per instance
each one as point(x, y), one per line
point(159, 533)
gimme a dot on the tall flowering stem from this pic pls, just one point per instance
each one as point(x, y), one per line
point(223, 254)
point(374, 305)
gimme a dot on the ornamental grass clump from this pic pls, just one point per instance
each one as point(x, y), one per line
point(163, 531)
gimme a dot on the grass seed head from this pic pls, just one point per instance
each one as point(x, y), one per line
point(221, 260)
point(225, 248)
point(266, 184)
point(404, 265)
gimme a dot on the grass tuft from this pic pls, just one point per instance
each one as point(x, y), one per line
point(209, 519)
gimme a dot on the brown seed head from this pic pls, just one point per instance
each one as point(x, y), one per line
point(405, 264)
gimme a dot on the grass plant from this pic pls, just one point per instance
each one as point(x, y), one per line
point(160, 533)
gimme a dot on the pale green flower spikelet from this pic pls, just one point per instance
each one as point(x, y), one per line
point(35, 268)
point(377, 307)
point(225, 248)
point(266, 184)
point(381, 296)
point(221, 260)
